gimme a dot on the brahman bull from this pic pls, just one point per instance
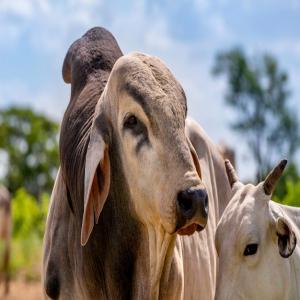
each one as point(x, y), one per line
point(129, 183)
point(5, 236)
point(256, 242)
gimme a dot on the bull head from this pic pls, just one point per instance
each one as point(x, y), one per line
point(160, 164)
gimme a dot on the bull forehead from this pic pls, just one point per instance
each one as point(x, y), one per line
point(148, 81)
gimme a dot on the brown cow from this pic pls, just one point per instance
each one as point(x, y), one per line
point(129, 183)
point(5, 235)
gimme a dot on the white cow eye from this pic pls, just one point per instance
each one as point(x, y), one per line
point(250, 249)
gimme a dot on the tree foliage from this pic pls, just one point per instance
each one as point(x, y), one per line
point(30, 142)
point(291, 196)
point(257, 91)
point(28, 215)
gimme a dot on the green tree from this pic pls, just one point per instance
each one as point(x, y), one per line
point(29, 219)
point(292, 194)
point(257, 91)
point(28, 215)
point(30, 142)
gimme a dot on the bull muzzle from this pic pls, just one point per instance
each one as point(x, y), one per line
point(192, 210)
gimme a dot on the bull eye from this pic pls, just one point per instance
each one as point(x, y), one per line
point(136, 128)
point(130, 122)
point(250, 249)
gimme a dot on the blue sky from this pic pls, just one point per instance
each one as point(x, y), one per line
point(186, 34)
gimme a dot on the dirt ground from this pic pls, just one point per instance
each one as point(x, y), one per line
point(20, 290)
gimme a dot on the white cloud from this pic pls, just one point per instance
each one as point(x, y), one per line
point(51, 102)
point(219, 28)
point(10, 31)
point(55, 25)
point(287, 46)
point(17, 8)
point(202, 5)
point(135, 31)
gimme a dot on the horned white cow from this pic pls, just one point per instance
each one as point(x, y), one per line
point(256, 240)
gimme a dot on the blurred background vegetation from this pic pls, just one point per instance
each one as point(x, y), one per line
point(29, 148)
point(257, 92)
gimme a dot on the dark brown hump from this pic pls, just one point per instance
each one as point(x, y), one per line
point(87, 66)
point(97, 50)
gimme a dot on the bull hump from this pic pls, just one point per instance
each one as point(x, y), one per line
point(97, 50)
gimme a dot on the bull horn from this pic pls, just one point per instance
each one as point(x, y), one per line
point(273, 177)
point(231, 173)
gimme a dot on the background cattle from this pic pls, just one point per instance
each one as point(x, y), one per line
point(227, 152)
point(133, 175)
point(5, 236)
point(256, 240)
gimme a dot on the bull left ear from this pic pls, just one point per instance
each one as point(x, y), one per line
point(96, 181)
point(195, 158)
point(286, 237)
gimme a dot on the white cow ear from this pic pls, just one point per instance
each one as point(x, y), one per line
point(96, 181)
point(286, 237)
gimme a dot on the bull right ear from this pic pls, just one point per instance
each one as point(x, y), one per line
point(96, 182)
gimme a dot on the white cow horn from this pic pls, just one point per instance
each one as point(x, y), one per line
point(231, 174)
point(273, 177)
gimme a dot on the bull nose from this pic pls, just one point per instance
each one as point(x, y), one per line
point(192, 205)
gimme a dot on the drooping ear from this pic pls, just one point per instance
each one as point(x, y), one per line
point(286, 237)
point(96, 182)
point(231, 173)
point(195, 157)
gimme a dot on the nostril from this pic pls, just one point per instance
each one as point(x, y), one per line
point(185, 203)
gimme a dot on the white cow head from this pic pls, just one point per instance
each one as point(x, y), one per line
point(254, 238)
